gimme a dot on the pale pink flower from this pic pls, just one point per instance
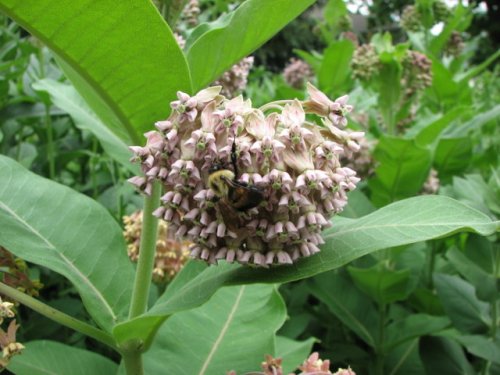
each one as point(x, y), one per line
point(282, 181)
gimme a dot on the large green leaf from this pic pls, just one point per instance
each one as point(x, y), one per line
point(413, 326)
point(459, 300)
point(238, 34)
point(382, 284)
point(53, 226)
point(67, 98)
point(233, 331)
point(348, 304)
point(403, 169)
point(120, 55)
point(444, 356)
point(409, 221)
point(335, 68)
point(292, 352)
point(452, 156)
point(50, 357)
point(429, 133)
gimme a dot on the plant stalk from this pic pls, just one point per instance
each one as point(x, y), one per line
point(132, 359)
point(147, 250)
point(58, 316)
point(379, 350)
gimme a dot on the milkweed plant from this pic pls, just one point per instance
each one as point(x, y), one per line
point(238, 198)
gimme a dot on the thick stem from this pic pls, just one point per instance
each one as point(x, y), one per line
point(58, 316)
point(379, 350)
point(278, 104)
point(147, 250)
point(171, 10)
point(132, 359)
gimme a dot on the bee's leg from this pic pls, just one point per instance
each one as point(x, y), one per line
point(234, 158)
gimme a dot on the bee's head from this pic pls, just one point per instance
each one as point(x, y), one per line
point(217, 166)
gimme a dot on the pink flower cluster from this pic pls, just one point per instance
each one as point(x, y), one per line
point(235, 80)
point(313, 365)
point(297, 72)
point(291, 160)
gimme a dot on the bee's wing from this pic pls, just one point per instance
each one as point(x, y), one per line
point(229, 215)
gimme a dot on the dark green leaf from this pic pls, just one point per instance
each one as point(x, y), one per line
point(431, 131)
point(480, 346)
point(53, 226)
point(347, 304)
point(238, 35)
point(233, 331)
point(68, 99)
point(382, 284)
point(413, 327)
point(443, 356)
point(484, 283)
point(459, 300)
point(50, 357)
point(292, 352)
point(452, 156)
point(413, 220)
point(403, 169)
point(120, 55)
point(334, 73)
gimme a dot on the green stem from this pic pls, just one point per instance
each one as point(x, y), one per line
point(379, 350)
point(132, 358)
point(93, 169)
point(275, 105)
point(50, 143)
point(147, 249)
point(171, 10)
point(58, 316)
point(431, 256)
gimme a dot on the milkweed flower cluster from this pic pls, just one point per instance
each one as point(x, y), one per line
point(313, 365)
point(417, 73)
point(432, 184)
point(363, 162)
point(17, 275)
point(292, 160)
point(297, 72)
point(235, 80)
point(411, 18)
point(455, 44)
point(170, 255)
point(365, 62)
point(191, 13)
point(10, 347)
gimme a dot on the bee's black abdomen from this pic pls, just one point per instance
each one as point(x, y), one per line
point(244, 197)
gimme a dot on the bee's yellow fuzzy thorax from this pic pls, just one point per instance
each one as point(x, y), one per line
point(217, 181)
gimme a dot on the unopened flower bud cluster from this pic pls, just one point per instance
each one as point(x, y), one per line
point(313, 365)
point(417, 74)
point(297, 72)
point(291, 160)
point(18, 274)
point(432, 184)
point(365, 62)
point(191, 13)
point(362, 162)
point(235, 80)
point(411, 18)
point(455, 44)
point(170, 255)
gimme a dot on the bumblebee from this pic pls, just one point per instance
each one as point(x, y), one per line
point(225, 185)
